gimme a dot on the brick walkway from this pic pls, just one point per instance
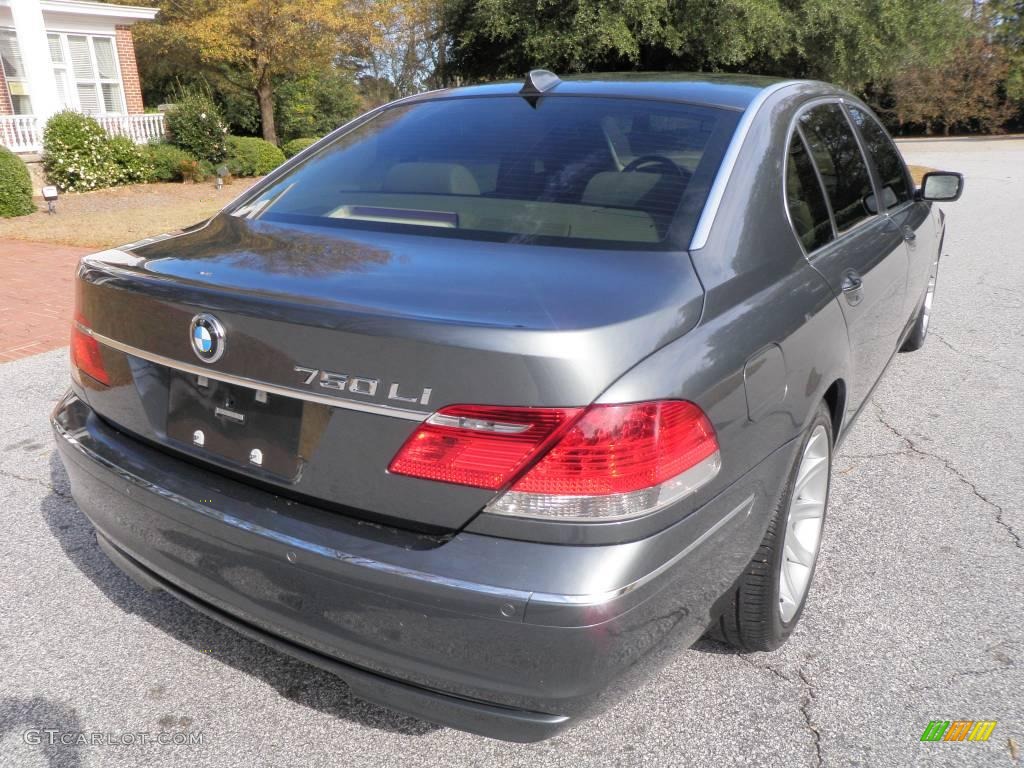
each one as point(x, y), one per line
point(36, 296)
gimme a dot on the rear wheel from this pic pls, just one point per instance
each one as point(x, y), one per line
point(768, 599)
point(917, 336)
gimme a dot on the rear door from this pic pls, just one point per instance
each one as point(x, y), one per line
point(866, 261)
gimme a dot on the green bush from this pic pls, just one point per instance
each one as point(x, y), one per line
point(248, 156)
point(315, 104)
point(15, 186)
point(167, 161)
point(76, 153)
point(293, 147)
point(195, 124)
point(130, 161)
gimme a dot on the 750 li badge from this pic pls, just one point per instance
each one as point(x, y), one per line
point(359, 385)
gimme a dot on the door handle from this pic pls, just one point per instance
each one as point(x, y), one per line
point(909, 234)
point(851, 282)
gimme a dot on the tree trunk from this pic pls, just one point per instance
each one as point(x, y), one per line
point(265, 97)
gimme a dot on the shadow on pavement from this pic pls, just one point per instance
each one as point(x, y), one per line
point(300, 682)
point(26, 720)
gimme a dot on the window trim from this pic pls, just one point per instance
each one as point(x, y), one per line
point(97, 82)
point(23, 80)
point(846, 233)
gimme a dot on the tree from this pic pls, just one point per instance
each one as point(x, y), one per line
point(253, 44)
point(963, 92)
point(408, 50)
point(850, 43)
point(1006, 22)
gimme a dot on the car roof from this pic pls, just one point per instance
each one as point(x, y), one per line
point(718, 90)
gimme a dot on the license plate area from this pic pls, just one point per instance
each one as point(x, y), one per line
point(236, 425)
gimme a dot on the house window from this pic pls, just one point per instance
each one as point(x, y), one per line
point(85, 67)
point(14, 72)
point(60, 71)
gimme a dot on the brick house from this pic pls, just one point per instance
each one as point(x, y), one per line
point(70, 54)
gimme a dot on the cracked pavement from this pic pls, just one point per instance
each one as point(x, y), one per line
point(915, 613)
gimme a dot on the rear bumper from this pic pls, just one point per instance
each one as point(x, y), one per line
point(508, 639)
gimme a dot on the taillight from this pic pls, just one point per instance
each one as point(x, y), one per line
point(611, 462)
point(85, 353)
point(478, 445)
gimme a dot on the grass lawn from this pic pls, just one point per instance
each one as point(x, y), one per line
point(109, 217)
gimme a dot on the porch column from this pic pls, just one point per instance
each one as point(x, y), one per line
point(35, 55)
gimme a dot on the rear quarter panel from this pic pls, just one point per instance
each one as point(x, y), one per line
point(761, 294)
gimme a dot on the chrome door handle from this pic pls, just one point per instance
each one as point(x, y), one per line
point(851, 282)
point(909, 234)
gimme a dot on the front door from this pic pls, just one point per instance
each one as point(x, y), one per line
point(867, 262)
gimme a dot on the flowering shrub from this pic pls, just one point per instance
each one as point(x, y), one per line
point(15, 186)
point(76, 153)
point(195, 124)
point(131, 164)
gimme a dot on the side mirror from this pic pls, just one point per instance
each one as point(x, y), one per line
point(941, 186)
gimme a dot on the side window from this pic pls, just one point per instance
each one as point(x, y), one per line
point(840, 163)
point(892, 171)
point(807, 208)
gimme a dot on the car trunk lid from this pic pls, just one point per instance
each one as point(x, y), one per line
point(337, 344)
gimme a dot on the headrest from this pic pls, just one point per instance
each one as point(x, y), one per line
point(434, 178)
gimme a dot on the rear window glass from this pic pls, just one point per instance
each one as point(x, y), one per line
point(560, 170)
point(840, 163)
point(807, 208)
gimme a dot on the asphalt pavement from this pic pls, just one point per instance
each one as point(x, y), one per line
point(915, 615)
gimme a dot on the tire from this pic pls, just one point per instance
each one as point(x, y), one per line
point(762, 609)
point(915, 340)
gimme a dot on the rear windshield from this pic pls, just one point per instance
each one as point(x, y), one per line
point(558, 170)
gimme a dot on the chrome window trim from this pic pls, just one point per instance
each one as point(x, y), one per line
point(259, 386)
point(840, 236)
point(722, 178)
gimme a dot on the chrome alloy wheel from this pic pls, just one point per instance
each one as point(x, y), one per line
point(926, 312)
point(804, 523)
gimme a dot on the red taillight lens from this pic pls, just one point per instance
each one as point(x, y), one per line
point(85, 354)
point(623, 448)
point(478, 445)
point(609, 462)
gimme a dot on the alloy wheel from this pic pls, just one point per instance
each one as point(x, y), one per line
point(804, 524)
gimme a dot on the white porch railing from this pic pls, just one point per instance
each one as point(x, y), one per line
point(20, 133)
point(24, 133)
point(138, 128)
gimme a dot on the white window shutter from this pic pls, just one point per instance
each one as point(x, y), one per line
point(88, 99)
point(11, 55)
point(56, 51)
point(105, 57)
point(81, 58)
point(112, 97)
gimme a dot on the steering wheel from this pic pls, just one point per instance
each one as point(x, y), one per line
point(654, 161)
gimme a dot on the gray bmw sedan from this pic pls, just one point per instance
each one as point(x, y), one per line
point(496, 397)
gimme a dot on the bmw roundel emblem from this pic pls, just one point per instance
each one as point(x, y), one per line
point(207, 335)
